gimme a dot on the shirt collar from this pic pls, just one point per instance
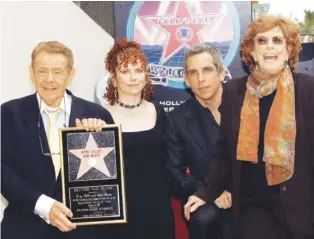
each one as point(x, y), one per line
point(65, 104)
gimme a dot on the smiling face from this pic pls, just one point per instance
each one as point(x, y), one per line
point(270, 51)
point(51, 75)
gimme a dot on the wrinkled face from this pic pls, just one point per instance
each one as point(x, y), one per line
point(51, 75)
point(270, 51)
point(202, 76)
point(130, 79)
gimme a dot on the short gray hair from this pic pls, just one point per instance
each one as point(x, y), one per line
point(205, 47)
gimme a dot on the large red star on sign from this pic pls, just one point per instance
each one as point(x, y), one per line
point(182, 29)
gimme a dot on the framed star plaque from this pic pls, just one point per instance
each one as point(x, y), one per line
point(92, 172)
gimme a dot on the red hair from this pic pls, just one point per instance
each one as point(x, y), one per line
point(123, 53)
point(290, 30)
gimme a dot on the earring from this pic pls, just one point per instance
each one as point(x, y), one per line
point(287, 65)
point(116, 94)
point(256, 66)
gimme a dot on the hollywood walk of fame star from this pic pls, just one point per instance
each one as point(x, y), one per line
point(182, 17)
point(92, 157)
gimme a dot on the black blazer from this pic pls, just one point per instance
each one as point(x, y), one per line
point(188, 144)
point(298, 192)
point(25, 172)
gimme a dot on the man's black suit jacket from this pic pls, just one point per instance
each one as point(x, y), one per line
point(25, 172)
point(189, 144)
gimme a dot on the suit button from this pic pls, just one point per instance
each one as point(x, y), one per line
point(284, 188)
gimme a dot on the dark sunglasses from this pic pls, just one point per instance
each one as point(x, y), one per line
point(262, 40)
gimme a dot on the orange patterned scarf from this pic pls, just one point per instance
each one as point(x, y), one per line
point(280, 130)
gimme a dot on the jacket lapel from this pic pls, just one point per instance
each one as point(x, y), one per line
point(34, 120)
point(77, 110)
point(237, 102)
point(193, 125)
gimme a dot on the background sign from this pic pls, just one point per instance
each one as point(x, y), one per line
point(166, 30)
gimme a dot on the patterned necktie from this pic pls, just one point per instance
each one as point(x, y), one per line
point(53, 139)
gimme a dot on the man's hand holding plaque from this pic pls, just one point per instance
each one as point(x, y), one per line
point(58, 217)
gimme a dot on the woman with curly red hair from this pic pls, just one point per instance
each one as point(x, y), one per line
point(129, 92)
point(268, 147)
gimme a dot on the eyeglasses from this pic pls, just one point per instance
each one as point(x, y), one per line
point(39, 125)
point(262, 40)
point(57, 74)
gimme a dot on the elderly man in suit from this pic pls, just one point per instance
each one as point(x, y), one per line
point(192, 135)
point(30, 162)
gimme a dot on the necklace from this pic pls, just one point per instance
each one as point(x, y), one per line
point(129, 106)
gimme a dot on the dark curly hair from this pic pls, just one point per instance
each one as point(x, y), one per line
point(123, 53)
point(290, 30)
